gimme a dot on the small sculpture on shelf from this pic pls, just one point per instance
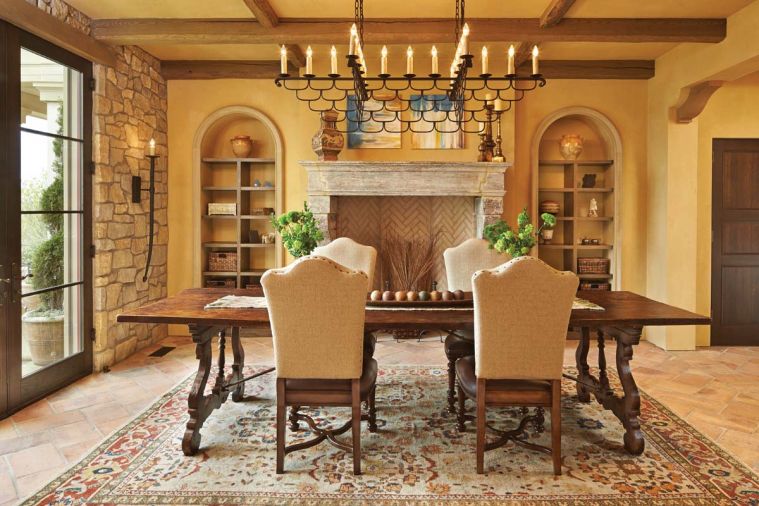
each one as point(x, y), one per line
point(593, 210)
point(589, 181)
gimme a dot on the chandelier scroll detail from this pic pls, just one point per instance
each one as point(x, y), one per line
point(410, 102)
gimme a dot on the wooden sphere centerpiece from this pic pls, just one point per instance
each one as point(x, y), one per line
point(400, 296)
point(388, 296)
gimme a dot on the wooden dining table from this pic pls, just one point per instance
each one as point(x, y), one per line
point(623, 318)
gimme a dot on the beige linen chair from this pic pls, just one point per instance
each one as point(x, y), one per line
point(521, 314)
point(316, 309)
point(461, 262)
point(350, 254)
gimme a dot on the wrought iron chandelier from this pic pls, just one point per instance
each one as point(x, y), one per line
point(411, 102)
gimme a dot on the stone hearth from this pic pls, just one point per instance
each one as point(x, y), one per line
point(367, 200)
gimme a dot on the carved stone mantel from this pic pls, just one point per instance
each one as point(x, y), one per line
point(484, 182)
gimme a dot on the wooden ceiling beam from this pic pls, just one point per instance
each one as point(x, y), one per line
point(555, 13)
point(403, 31)
point(295, 55)
point(264, 12)
point(28, 17)
point(221, 69)
point(593, 69)
point(696, 100)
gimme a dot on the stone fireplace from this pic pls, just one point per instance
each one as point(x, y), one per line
point(366, 201)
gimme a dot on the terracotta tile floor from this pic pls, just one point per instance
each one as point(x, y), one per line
point(715, 389)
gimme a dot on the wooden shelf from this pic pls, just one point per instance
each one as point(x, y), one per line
point(252, 273)
point(220, 274)
point(556, 190)
point(255, 245)
point(220, 216)
point(576, 246)
point(556, 246)
point(584, 218)
point(257, 189)
point(594, 276)
point(577, 162)
point(255, 217)
point(575, 190)
point(595, 246)
point(241, 160)
point(219, 244)
point(219, 188)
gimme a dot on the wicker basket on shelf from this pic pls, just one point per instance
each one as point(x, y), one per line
point(593, 265)
point(587, 285)
point(222, 261)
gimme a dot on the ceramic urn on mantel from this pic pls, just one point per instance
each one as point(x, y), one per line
point(328, 141)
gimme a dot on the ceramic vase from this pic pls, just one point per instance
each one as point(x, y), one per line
point(242, 145)
point(547, 235)
point(328, 141)
point(570, 146)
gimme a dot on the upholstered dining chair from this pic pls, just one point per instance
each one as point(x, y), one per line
point(461, 262)
point(521, 314)
point(316, 309)
point(352, 255)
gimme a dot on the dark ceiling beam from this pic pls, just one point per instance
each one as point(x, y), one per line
point(295, 55)
point(404, 31)
point(593, 69)
point(263, 12)
point(555, 13)
point(221, 69)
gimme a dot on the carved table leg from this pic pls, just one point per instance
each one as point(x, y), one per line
point(237, 366)
point(583, 370)
point(634, 442)
point(199, 405)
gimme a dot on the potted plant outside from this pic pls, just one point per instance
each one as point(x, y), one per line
point(299, 231)
point(43, 326)
point(517, 243)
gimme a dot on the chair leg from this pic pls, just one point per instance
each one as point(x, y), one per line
point(281, 432)
point(481, 426)
point(556, 426)
point(373, 410)
point(461, 414)
point(451, 385)
point(356, 425)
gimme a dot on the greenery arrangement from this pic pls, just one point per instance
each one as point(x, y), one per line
point(517, 243)
point(47, 258)
point(299, 231)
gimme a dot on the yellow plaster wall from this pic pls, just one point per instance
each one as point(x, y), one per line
point(190, 102)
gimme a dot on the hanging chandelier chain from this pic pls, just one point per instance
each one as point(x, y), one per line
point(460, 20)
point(359, 19)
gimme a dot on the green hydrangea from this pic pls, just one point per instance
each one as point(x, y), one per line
point(299, 231)
point(505, 240)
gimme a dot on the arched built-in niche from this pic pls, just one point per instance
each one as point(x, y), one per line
point(554, 178)
point(219, 176)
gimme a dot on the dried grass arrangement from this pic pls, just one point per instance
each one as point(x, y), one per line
point(407, 262)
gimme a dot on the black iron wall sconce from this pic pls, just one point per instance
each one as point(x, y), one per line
point(137, 190)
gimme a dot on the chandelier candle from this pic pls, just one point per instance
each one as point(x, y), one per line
point(352, 40)
point(309, 61)
point(434, 60)
point(409, 61)
point(333, 60)
point(383, 61)
point(484, 60)
point(511, 70)
point(535, 61)
point(283, 60)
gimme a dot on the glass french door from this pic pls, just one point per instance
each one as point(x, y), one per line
point(45, 260)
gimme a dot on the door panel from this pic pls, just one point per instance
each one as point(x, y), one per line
point(45, 176)
point(735, 249)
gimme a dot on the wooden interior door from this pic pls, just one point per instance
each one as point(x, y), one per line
point(735, 243)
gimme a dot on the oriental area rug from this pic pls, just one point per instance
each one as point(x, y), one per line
point(417, 456)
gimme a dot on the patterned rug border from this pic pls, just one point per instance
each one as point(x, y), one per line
point(451, 500)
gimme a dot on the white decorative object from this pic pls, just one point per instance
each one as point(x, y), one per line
point(593, 211)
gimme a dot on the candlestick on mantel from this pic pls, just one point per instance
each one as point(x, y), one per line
point(535, 70)
point(383, 60)
point(498, 105)
point(309, 61)
point(151, 146)
point(409, 61)
point(283, 60)
point(484, 59)
point(510, 66)
point(434, 60)
point(333, 60)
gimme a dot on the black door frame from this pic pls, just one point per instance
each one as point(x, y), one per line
point(19, 392)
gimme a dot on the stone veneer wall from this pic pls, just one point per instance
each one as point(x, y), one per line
point(129, 108)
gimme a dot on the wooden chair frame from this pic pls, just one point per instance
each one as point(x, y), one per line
point(321, 398)
point(524, 399)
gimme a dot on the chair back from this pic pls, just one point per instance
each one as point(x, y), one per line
point(316, 310)
point(472, 255)
point(521, 314)
point(349, 253)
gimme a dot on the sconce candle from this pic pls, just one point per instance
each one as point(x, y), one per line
point(409, 61)
point(535, 70)
point(434, 60)
point(151, 147)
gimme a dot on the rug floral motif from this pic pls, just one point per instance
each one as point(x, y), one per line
point(416, 456)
